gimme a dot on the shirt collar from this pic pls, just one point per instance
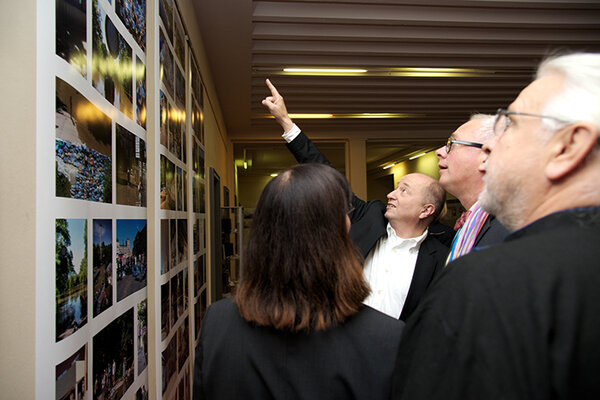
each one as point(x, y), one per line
point(410, 242)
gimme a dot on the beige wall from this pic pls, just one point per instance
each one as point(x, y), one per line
point(17, 200)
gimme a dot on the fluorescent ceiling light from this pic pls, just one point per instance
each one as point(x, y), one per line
point(389, 166)
point(326, 71)
point(310, 116)
point(358, 115)
point(417, 156)
point(274, 174)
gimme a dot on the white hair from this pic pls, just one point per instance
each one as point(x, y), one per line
point(580, 98)
point(486, 128)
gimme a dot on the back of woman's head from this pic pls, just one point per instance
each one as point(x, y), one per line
point(301, 270)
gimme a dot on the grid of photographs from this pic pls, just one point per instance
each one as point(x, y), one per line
point(100, 160)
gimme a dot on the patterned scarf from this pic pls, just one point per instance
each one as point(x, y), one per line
point(465, 237)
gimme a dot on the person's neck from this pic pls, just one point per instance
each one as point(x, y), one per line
point(408, 231)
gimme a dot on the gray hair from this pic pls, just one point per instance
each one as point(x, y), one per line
point(486, 131)
point(580, 98)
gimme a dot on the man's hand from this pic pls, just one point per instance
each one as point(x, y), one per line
point(276, 107)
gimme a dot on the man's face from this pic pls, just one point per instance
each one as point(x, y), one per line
point(514, 170)
point(405, 203)
point(459, 172)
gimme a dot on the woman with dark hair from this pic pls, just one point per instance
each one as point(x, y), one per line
point(297, 327)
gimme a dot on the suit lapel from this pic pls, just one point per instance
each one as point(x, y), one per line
point(425, 268)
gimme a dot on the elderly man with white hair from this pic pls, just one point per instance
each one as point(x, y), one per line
point(521, 320)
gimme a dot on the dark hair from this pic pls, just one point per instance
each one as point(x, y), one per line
point(301, 270)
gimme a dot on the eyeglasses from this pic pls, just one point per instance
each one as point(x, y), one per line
point(451, 141)
point(503, 121)
point(352, 208)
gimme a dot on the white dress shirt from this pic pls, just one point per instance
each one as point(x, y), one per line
point(389, 269)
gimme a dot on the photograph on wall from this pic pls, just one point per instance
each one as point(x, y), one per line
point(173, 242)
point(199, 274)
point(102, 265)
point(164, 246)
point(165, 11)
point(196, 237)
point(175, 131)
point(196, 82)
point(169, 365)
point(180, 290)
point(197, 122)
point(112, 365)
point(131, 256)
point(165, 297)
point(142, 393)
point(179, 39)
point(166, 64)
point(131, 168)
point(140, 92)
point(168, 184)
point(71, 276)
point(183, 345)
point(174, 296)
point(199, 311)
point(201, 170)
point(164, 120)
point(179, 88)
point(184, 190)
point(71, 41)
point(112, 67)
point(71, 376)
point(202, 205)
point(182, 240)
point(133, 15)
point(142, 335)
point(83, 147)
point(179, 178)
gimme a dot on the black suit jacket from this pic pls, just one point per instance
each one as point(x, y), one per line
point(369, 225)
point(492, 232)
point(520, 320)
point(236, 359)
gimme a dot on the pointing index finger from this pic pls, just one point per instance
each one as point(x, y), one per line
point(274, 91)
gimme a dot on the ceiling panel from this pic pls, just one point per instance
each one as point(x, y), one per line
point(249, 41)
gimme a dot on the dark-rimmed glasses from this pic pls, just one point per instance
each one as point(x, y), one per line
point(502, 120)
point(451, 141)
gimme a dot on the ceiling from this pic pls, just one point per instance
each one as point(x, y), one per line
point(498, 44)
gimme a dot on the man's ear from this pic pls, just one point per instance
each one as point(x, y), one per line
point(568, 149)
point(428, 209)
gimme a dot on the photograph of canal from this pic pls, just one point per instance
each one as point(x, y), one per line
point(71, 276)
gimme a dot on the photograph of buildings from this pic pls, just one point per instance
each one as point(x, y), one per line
point(131, 168)
point(168, 184)
point(133, 15)
point(112, 365)
point(112, 67)
point(71, 377)
point(164, 246)
point(102, 265)
point(140, 92)
point(71, 276)
point(83, 147)
point(131, 256)
point(142, 335)
point(71, 41)
point(166, 64)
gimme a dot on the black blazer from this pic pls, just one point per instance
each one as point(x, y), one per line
point(492, 232)
point(369, 225)
point(236, 359)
